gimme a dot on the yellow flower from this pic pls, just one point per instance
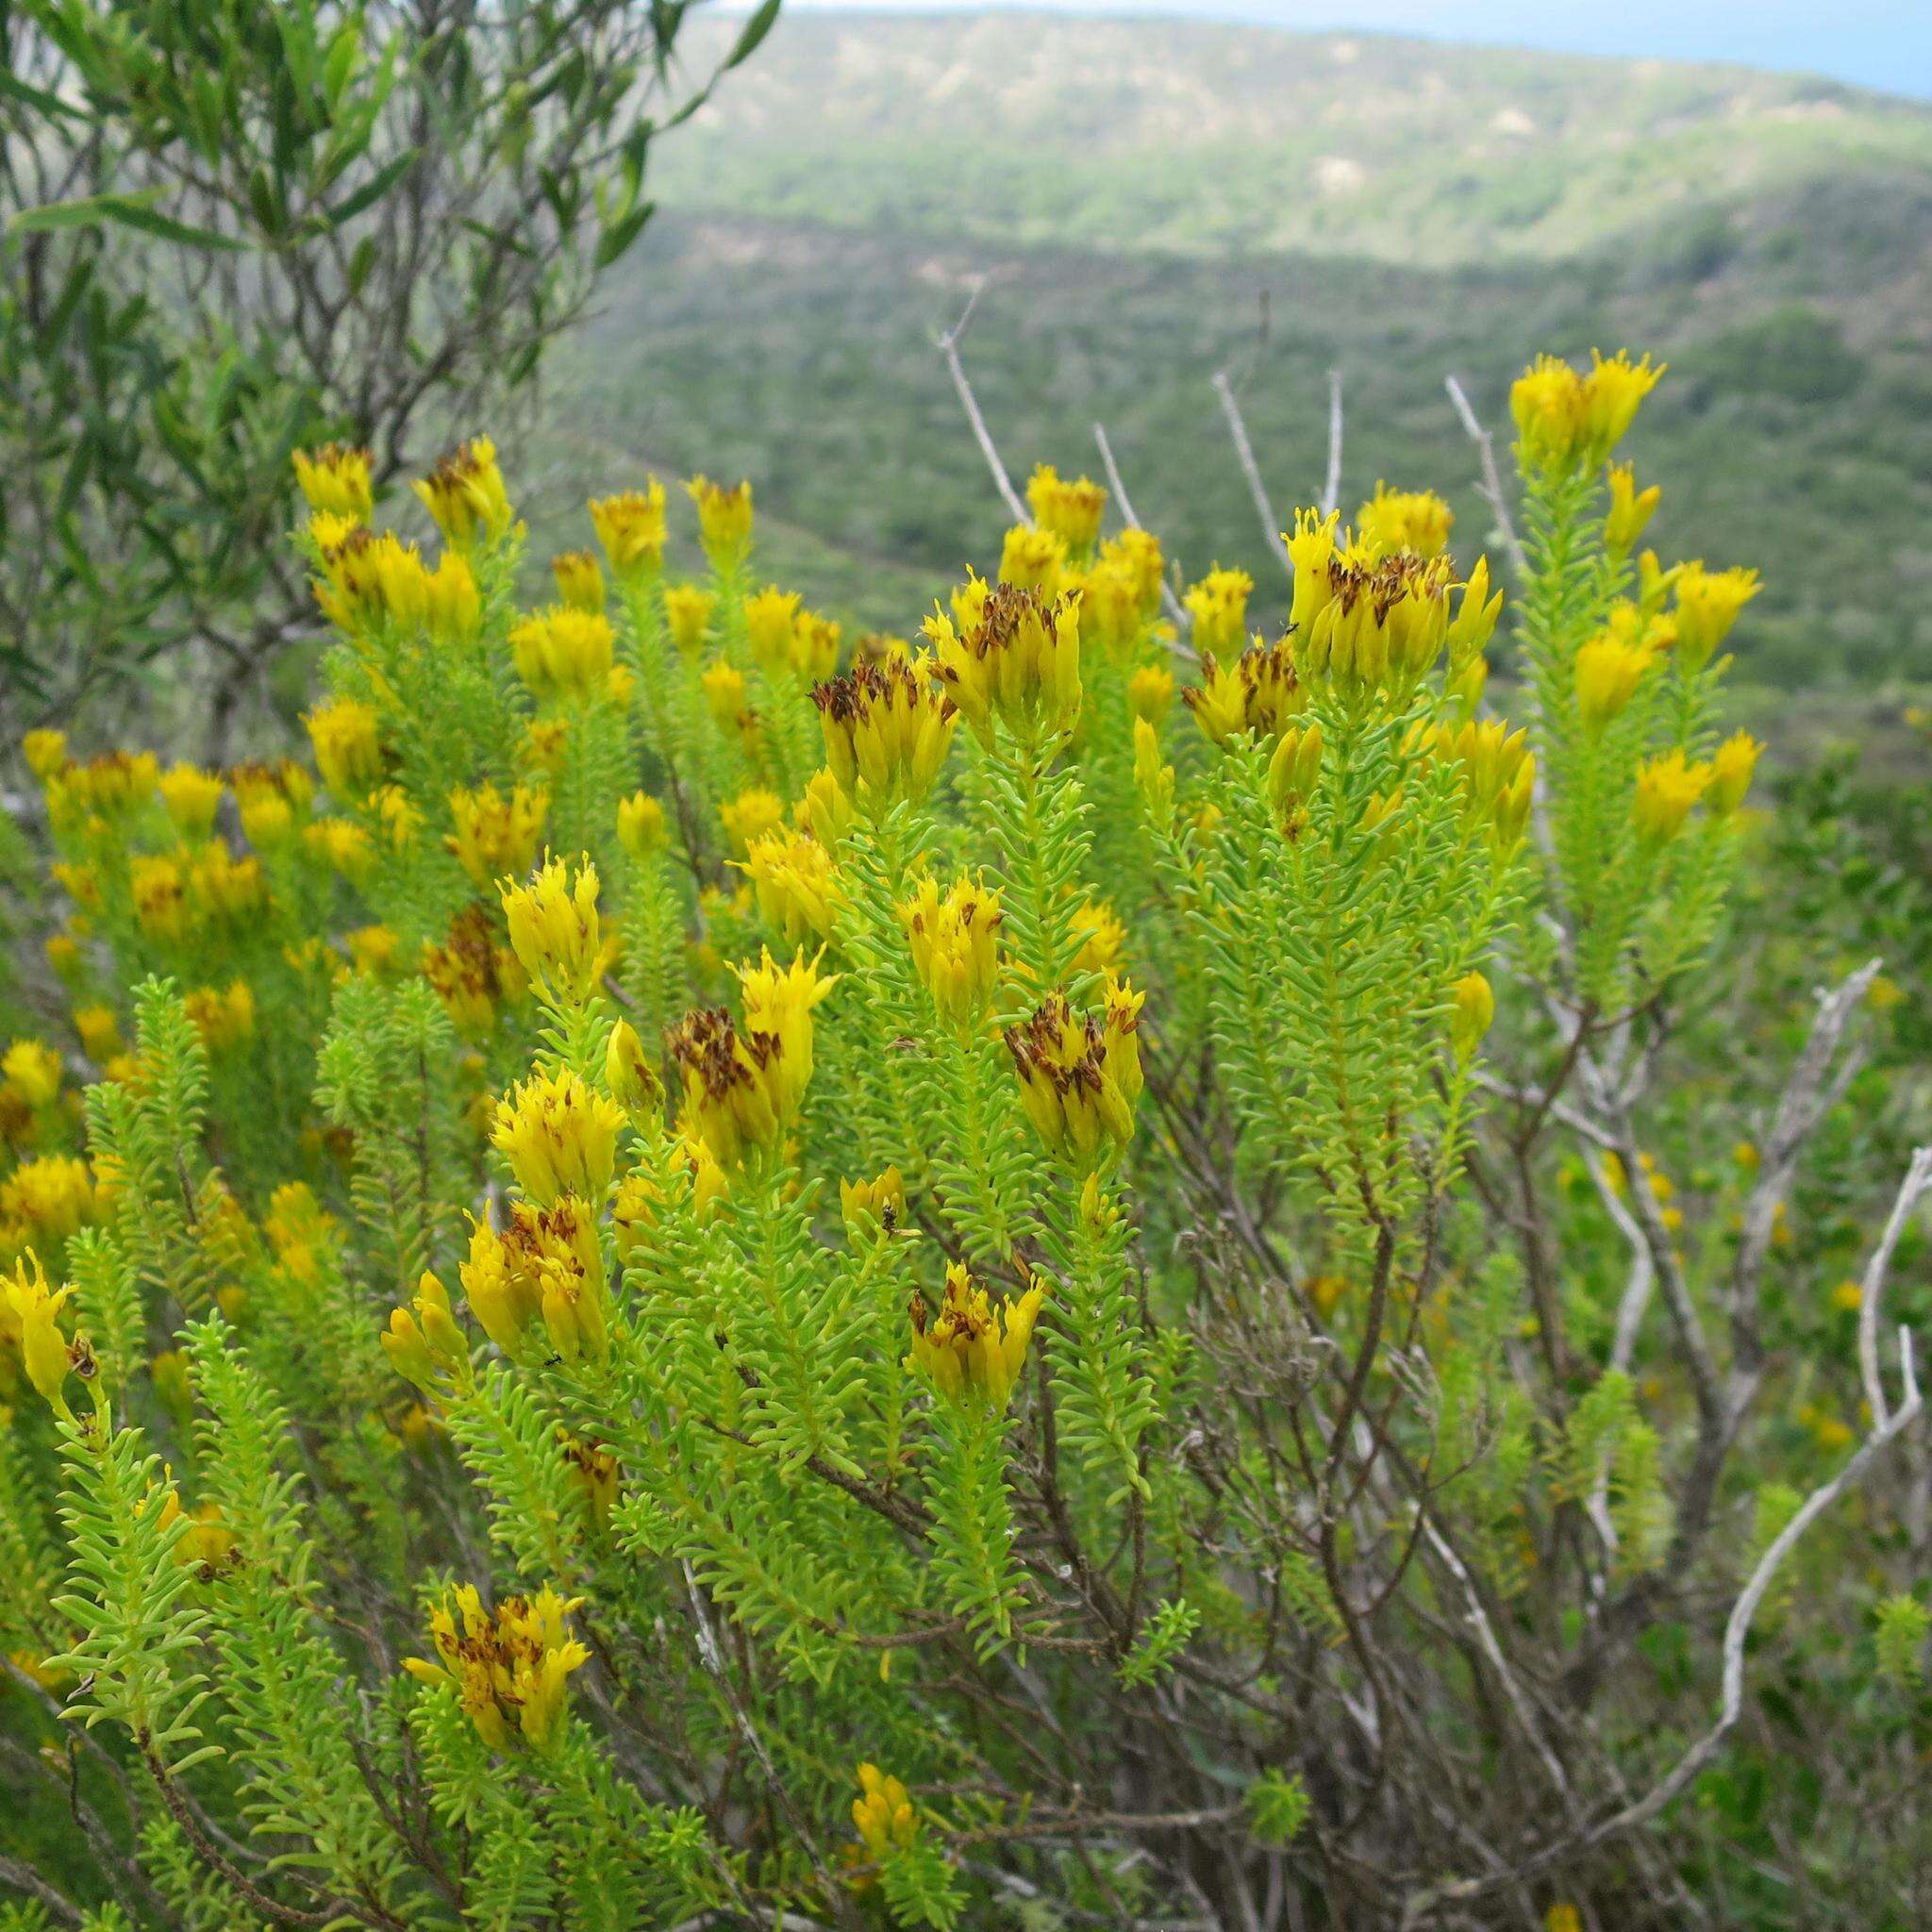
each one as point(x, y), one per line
point(1070, 510)
point(1473, 1006)
point(826, 810)
point(1219, 606)
point(887, 728)
point(99, 1031)
point(191, 797)
point(1497, 772)
point(492, 834)
point(631, 1077)
point(753, 814)
point(630, 526)
point(1258, 694)
point(778, 1003)
point(465, 495)
point(44, 1350)
point(48, 1198)
point(1707, 604)
point(1153, 777)
point(510, 1669)
point(640, 827)
point(1849, 1296)
point(159, 892)
point(724, 520)
point(470, 972)
point(687, 612)
point(1562, 1918)
point(1416, 520)
point(1150, 693)
point(1080, 1078)
point(32, 1068)
point(1362, 622)
point(1612, 393)
point(814, 646)
point(1103, 938)
point(452, 603)
point(1609, 669)
point(1566, 421)
point(563, 653)
point(1668, 787)
point(1732, 766)
point(1032, 558)
point(883, 1813)
point(971, 1352)
point(374, 949)
point(422, 1341)
point(373, 577)
point(792, 879)
point(1294, 767)
point(348, 746)
point(334, 479)
point(559, 1137)
point(224, 1017)
point(554, 929)
point(579, 582)
point(724, 688)
point(1630, 511)
point(1018, 664)
point(770, 616)
point(873, 1207)
point(45, 752)
point(955, 943)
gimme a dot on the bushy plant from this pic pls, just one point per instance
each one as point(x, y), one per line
point(1048, 1276)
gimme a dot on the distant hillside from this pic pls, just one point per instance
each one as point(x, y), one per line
point(1149, 203)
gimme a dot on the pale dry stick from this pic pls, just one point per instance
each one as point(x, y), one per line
point(1244, 452)
point(949, 348)
point(1169, 602)
point(1918, 1178)
point(1331, 487)
point(1630, 1313)
point(1492, 484)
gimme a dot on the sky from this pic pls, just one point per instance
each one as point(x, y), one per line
point(1878, 43)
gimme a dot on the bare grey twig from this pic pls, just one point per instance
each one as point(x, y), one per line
point(1244, 452)
point(1491, 483)
point(949, 348)
point(1331, 486)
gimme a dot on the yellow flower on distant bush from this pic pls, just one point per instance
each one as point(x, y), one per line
point(630, 526)
point(334, 479)
point(465, 495)
point(1070, 511)
point(1668, 787)
point(565, 653)
point(754, 813)
point(640, 827)
point(470, 972)
point(376, 950)
point(223, 1016)
point(1732, 767)
point(1219, 606)
point(725, 690)
point(191, 797)
point(1019, 664)
point(687, 612)
point(99, 1031)
point(792, 880)
point(1080, 1078)
point(45, 752)
point(1707, 604)
point(1032, 558)
point(372, 577)
point(579, 581)
point(348, 745)
point(1103, 938)
point(883, 1813)
point(554, 929)
point(1472, 1009)
point(972, 1352)
point(1416, 520)
point(510, 1670)
point(559, 1137)
point(770, 616)
point(492, 834)
point(724, 519)
point(1150, 693)
point(887, 728)
point(814, 646)
point(32, 1068)
point(46, 1199)
point(955, 941)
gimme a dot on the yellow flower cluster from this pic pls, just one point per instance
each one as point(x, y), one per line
point(492, 835)
point(554, 929)
point(724, 520)
point(545, 1267)
point(1416, 520)
point(630, 526)
point(1568, 422)
point(464, 493)
point(887, 728)
point(33, 1326)
point(793, 881)
point(348, 745)
point(1219, 606)
point(559, 1137)
point(1017, 662)
point(883, 1813)
point(955, 941)
point(423, 1342)
point(970, 1350)
point(334, 479)
point(1070, 511)
point(1497, 771)
point(1080, 1078)
point(565, 653)
point(510, 1669)
point(1259, 692)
